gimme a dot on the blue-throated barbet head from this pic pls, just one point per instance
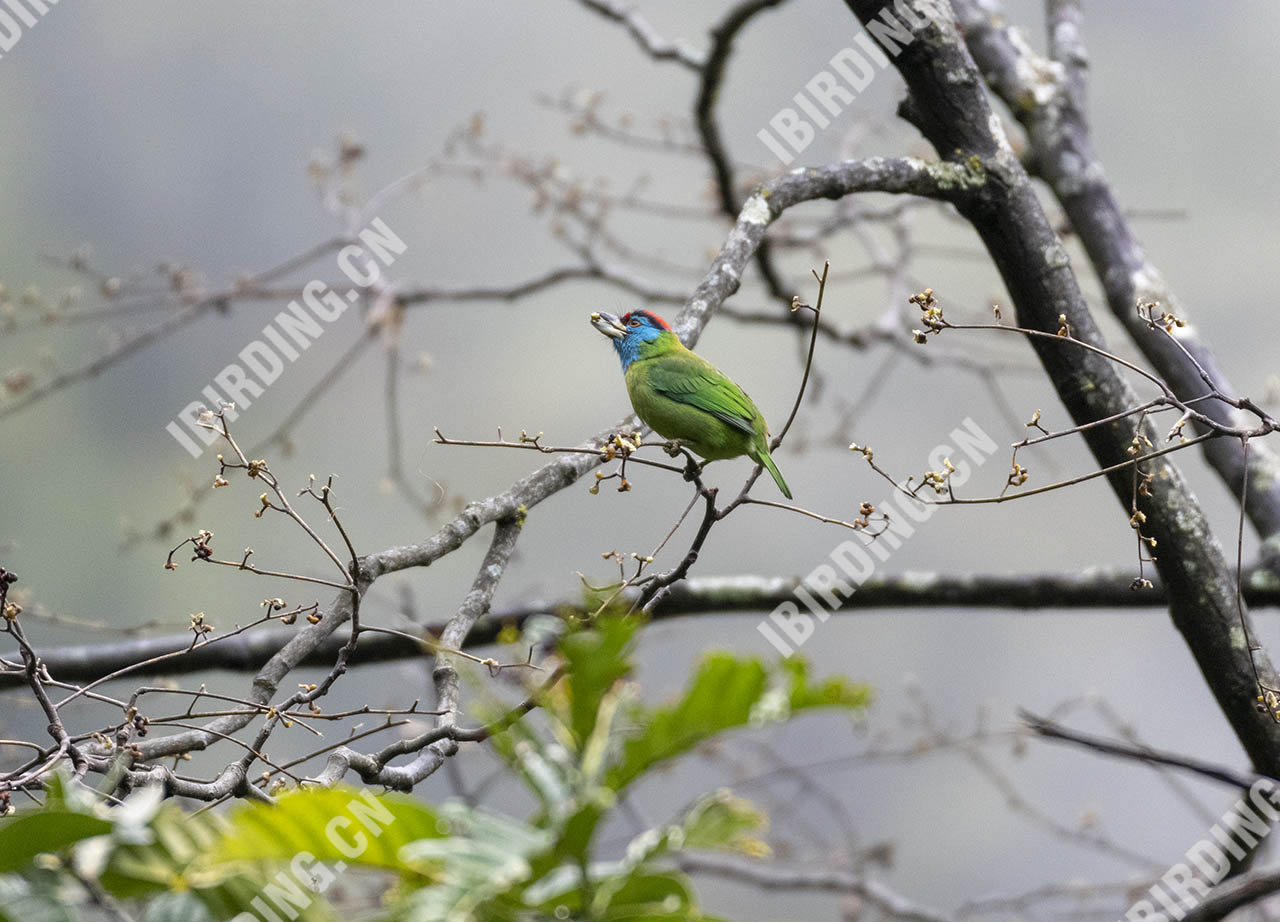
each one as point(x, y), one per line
point(630, 332)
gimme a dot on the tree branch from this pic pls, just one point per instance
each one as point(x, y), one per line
point(721, 281)
point(646, 35)
point(1051, 730)
point(740, 595)
point(948, 103)
point(1047, 97)
point(772, 877)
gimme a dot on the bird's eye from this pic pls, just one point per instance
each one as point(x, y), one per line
point(635, 323)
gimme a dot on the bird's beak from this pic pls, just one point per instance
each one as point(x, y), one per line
point(609, 325)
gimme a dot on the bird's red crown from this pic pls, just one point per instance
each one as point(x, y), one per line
point(654, 318)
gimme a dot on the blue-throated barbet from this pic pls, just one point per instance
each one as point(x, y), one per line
point(682, 396)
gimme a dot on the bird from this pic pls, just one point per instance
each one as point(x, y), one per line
point(683, 397)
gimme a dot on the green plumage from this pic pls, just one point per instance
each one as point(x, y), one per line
point(682, 396)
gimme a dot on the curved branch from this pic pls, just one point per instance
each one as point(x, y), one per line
point(434, 747)
point(1231, 895)
point(722, 39)
point(939, 180)
point(645, 35)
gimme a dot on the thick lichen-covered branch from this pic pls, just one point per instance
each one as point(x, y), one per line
point(1047, 98)
point(947, 102)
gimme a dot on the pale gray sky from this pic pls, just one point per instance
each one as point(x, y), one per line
point(182, 132)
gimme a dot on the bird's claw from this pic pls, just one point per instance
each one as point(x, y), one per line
point(672, 447)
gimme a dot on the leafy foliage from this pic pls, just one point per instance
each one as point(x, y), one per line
point(47, 831)
point(590, 741)
point(332, 824)
point(141, 850)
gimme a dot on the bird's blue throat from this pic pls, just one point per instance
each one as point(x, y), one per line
point(628, 347)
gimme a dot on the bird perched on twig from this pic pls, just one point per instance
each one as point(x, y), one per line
point(683, 397)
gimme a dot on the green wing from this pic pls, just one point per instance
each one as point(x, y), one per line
point(691, 379)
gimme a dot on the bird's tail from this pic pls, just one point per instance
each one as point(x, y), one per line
point(776, 474)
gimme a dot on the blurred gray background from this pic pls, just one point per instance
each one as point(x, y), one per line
point(183, 132)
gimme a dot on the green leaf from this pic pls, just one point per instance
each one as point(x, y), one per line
point(544, 767)
point(720, 820)
point(575, 836)
point(832, 692)
point(629, 894)
point(595, 659)
point(483, 865)
point(26, 835)
point(725, 822)
point(720, 697)
point(181, 857)
point(727, 692)
point(339, 824)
